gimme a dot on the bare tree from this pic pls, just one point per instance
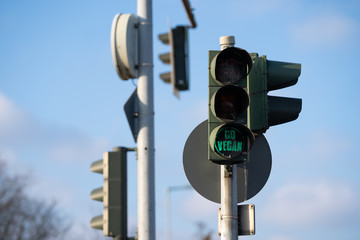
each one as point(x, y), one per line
point(201, 227)
point(23, 217)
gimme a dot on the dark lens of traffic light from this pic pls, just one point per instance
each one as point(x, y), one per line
point(230, 102)
point(232, 65)
point(231, 71)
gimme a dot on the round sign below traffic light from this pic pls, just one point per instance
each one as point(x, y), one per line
point(229, 141)
point(205, 176)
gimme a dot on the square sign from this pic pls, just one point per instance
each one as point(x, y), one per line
point(246, 219)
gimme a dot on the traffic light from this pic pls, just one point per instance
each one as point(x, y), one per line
point(229, 137)
point(177, 38)
point(113, 194)
point(124, 45)
point(265, 76)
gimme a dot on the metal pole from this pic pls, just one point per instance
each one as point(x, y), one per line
point(189, 13)
point(145, 140)
point(229, 217)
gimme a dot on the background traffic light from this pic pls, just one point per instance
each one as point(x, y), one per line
point(229, 137)
point(177, 38)
point(113, 193)
point(124, 46)
point(265, 76)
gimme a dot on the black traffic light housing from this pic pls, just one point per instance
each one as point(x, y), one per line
point(264, 110)
point(178, 58)
point(113, 194)
point(229, 138)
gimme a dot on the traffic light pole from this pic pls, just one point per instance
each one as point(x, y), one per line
point(145, 139)
point(229, 217)
point(228, 176)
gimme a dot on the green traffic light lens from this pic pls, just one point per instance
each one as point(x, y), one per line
point(229, 142)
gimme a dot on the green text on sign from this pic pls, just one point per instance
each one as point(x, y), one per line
point(229, 141)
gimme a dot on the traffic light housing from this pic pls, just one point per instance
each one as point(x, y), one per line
point(265, 76)
point(229, 138)
point(113, 194)
point(177, 38)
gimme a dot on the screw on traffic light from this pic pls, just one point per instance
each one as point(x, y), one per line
point(113, 194)
point(177, 38)
point(266, 75)
point(229, 137)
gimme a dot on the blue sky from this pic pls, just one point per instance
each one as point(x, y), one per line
point(61, 107)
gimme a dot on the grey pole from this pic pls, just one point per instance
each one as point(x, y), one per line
point(228, 176)
point(145, 139)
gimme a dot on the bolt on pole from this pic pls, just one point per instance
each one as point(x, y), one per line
point(145, 139)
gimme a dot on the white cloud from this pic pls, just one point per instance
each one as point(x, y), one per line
point(18, 131)
point(327, 29)
point(307, 204)
point(327, 146)
point(196, 206)
point(72, 150)
point(7, 154)
point(13, 121)
point(8, 112)
point(51, 190)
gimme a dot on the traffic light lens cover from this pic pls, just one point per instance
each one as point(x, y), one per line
point(229, 142)
point(230, 102)
point(232, 64)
